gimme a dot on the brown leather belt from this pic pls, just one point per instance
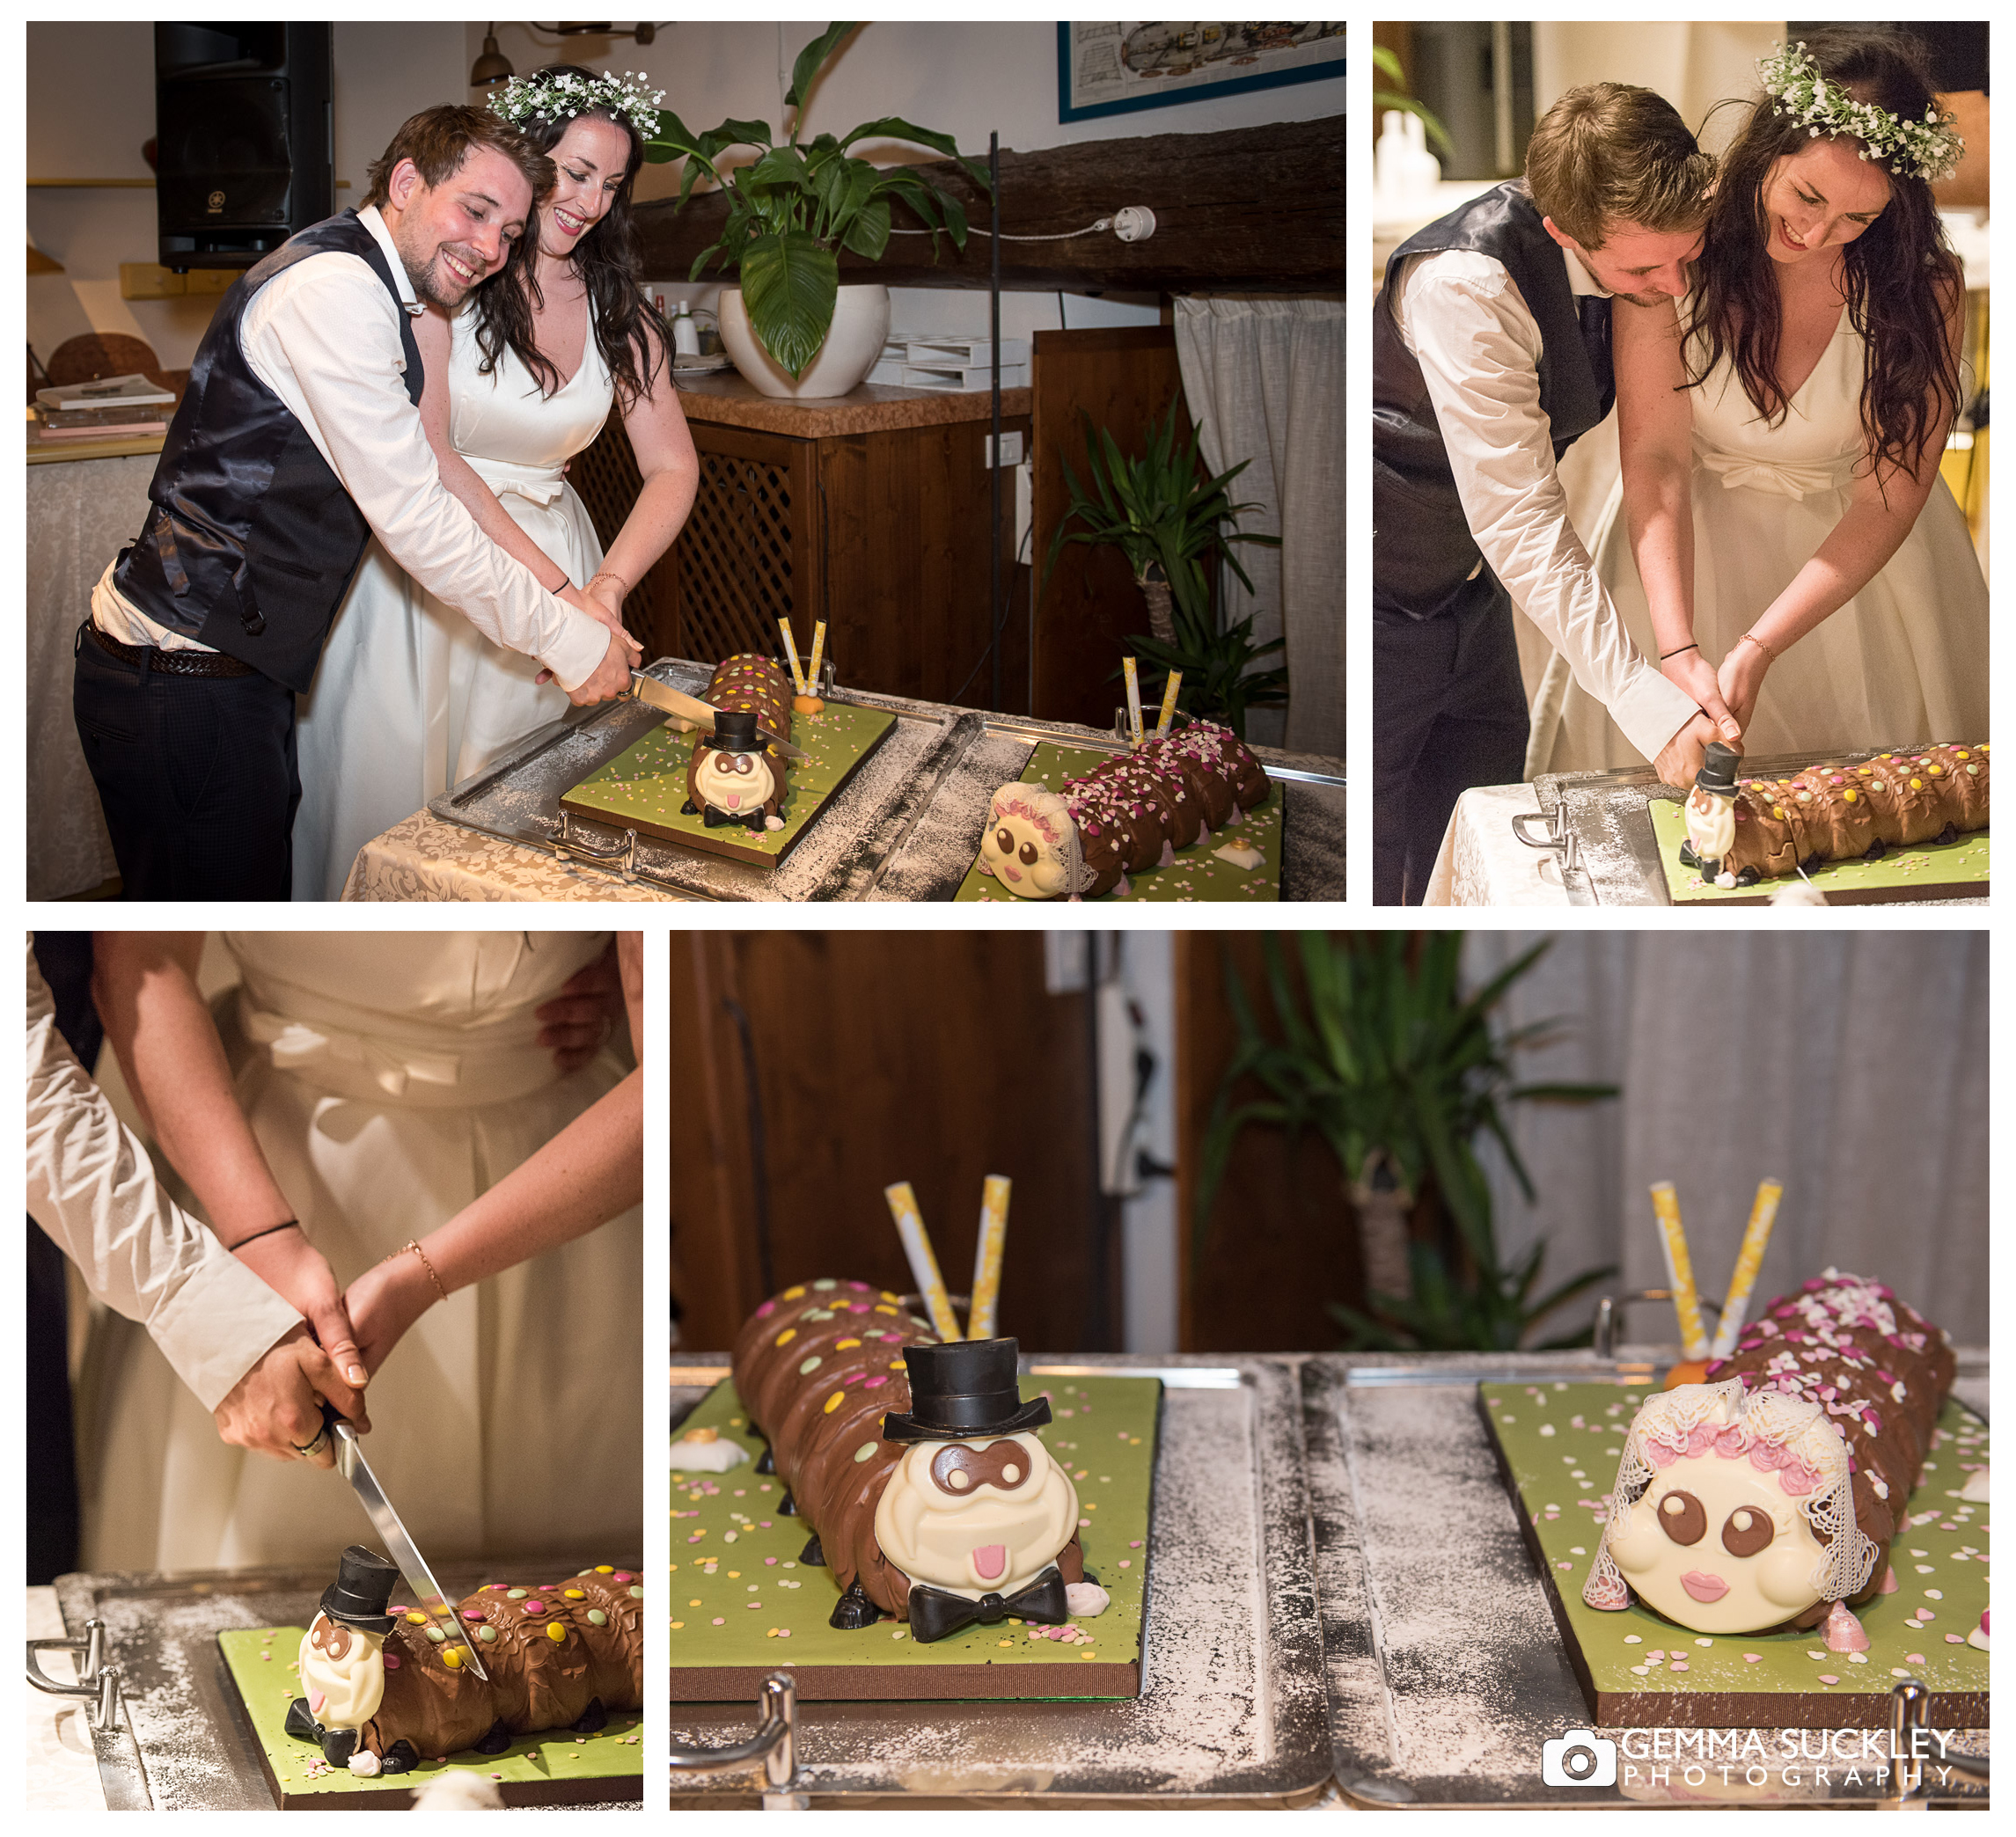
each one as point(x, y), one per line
point(170, 663)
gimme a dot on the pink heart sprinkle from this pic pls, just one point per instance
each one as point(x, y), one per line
point(1829, 1678)
point(1914, 1657)
point(1752, 1657)
point(1954, 1639)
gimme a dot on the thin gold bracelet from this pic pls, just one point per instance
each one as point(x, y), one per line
point(1761, 645)
point(412, 1244)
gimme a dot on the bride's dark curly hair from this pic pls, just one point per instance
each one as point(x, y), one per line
point(1903, 280)
point(607, 260)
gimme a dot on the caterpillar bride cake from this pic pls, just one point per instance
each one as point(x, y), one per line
point(1768, 1495)
point(915, 1464)
point(385, 1688)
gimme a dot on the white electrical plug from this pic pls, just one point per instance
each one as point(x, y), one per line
point(1134, 223)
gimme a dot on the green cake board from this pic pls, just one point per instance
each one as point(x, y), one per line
point(743, 1604)
point(1196, 873)
point(1957, 870)
point(555, 1769)
point(1558, 1445)
point(642, 788)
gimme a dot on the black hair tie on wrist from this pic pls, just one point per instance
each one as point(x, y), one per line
point(1681, 652)
point(289, 1224)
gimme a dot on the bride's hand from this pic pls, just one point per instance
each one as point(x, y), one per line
point(627, 652)
point(386, 1300)
point(1692, 671)
point(296, 1270)
point(1679, 761)
point(1741, 676)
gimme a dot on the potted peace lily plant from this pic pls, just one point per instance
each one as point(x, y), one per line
point(792, 329)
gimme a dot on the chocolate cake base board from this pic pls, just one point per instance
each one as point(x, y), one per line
point(1196, 873)
point(644, 786)
point(1931, 870)
point(758, 1605)
point(1558, 1446)
point(556, 1768)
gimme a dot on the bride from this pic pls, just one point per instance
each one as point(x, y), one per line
point(410, 698)
point(1781, 431)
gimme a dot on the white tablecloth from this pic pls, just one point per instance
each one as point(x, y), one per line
point(60, 1769)
point(1483, 863)
point(423, 858)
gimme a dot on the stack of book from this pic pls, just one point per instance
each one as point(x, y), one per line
point(113, 407)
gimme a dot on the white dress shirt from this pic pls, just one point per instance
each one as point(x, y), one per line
point(1461, 315)
point(92, 1187)
point(323, 336)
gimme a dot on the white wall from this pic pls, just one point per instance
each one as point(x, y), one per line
point(83, 77)
point(962, 80)
point(1693, 65)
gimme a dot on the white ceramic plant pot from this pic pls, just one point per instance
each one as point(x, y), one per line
point(853, 342)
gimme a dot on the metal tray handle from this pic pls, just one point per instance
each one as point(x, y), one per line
point(95, 1679)
point(775, 1742)
point(1561, 843)
point(572, 842)
point(1602, 1340)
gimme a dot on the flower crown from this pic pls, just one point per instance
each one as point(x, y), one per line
point(1928, 150)
point(549, 96)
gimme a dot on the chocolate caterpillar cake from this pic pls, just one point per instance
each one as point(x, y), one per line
point(913, 1463)
point(1769, 1494)
point(1131, 811)
point(1742, 831)
point(385, 1688)
point(732, 777)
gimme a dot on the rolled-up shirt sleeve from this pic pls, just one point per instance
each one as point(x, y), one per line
point(1479, 347)
point(92, 1188)
point(324, 337)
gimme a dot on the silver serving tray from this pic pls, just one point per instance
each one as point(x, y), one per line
point(1231, 1709)
point(1445, 1670)
point(1616, 857)
point(187, 1744)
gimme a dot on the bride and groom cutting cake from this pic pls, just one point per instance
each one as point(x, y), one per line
point(361, 514)
point(1779, 565)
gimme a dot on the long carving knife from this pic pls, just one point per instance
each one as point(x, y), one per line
point(655, 694)
point(399, 1543)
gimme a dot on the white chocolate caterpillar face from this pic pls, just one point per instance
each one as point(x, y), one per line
point(1711, 824)
point(736, 782)
point(1023, 847)
point(1717, 1544)
point(342, 1673)
point(976, 1517)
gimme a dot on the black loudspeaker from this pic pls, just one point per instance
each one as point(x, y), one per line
point(244, 118)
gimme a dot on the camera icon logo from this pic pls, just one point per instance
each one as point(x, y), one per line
point(1580, 1758)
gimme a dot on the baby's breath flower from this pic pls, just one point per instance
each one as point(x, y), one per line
point(1913, 150)
point(548, 98)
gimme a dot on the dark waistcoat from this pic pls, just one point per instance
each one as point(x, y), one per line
point(251, 541)
point(1422, 550)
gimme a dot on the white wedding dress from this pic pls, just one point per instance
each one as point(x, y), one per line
point(1906, 661)
point(410, 698)
point(390, 1078)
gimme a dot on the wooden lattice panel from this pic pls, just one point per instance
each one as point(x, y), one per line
point(742, 560)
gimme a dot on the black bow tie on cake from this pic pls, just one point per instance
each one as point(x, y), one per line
point(933, 1613)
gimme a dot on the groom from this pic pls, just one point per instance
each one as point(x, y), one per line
point(1491, 357)
point(298, 440)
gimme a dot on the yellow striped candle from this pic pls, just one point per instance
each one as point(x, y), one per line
point(818, 651)
point(923, 1263)
point(1679, 1270)
point(1749, 1259)
point(1168, 703)
point(1133, 700)
point(985, 1305)
point(791, 654)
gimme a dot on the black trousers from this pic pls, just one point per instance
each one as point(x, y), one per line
point(197, 776)
point(1448, 712)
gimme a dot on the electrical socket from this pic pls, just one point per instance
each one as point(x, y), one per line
point(1134, 223)
point(1011, 448)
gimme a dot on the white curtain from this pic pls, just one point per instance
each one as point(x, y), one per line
point(1854, 1066)
point(1264, 379)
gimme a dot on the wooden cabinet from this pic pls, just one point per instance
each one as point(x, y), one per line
point(870, 512)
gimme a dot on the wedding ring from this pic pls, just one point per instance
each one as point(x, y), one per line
point(308, 1453)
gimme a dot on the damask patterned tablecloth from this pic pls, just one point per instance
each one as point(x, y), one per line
point(423, 858)
point(1483, 863)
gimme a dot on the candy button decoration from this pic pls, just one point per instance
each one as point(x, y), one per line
point(556, 1633)
point(392, 1661)
point(453, 1660)
point(470, 1613)
point(596, 1617)
point(603, 1569)
point(537, 1607)
point(809, 1366)
point(486, 1634)
point(416, 1620)
point(574, 1594)
point(516, 1594)
point(637, 1594)
point(437, 1635)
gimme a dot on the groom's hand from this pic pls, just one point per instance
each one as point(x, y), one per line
point(1692, 671)
point(276, 1407)
point(611, 676)
point(1680, 759)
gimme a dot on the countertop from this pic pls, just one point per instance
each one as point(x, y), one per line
point(722, 399)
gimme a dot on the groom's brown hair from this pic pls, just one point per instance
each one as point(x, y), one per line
point(1609, 154)
point(439, 140)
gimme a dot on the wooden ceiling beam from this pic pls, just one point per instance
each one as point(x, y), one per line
point(1254, 210)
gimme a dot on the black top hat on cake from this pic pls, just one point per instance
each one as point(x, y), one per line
point(363, 1586)
point(1718, 771)
point(967, 1387)
point(735, 731)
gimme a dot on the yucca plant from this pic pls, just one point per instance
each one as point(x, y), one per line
point(800, 203)
point(1167, 516)
point(1400, 1074)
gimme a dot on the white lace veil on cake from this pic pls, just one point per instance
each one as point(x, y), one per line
point(1775, 1432)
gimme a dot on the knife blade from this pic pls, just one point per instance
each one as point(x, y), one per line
point(655, 694)
point(399, 1543)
